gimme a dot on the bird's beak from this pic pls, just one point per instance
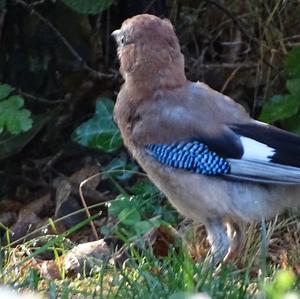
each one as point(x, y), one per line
point(116, 33)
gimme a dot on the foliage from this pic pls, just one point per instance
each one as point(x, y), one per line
point(17, 126)
point(88, 7)
point(140, 212)
point(100, 131)
point(127, 210)
point(14, 118)
point(12, 144)
point(120, 168)
point(282, 283)
point(286, 106)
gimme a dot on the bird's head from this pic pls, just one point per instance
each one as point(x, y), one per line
point(149, 51)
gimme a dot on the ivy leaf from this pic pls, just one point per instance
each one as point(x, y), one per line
point(88, 6)
point(14, 102)
point(293, 86)
point(292, 62)
point(21, 122)
point(145, 226)
point(118, 205)
point(13, 117)
point(284, 107)
point(292, 124)
point(119, 168)
point(12, 144)
point(5, 90)
point(280, 107)
point(100, 131)
point(143, 187)
point(129, 216)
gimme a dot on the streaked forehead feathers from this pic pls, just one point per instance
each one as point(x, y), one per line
point(143, 26)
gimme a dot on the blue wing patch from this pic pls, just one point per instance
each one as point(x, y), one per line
point(193, 156)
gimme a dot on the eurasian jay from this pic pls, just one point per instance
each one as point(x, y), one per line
point(215, 164)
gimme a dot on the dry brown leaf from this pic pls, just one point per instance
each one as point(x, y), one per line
point(163, 241)
point(49, 269)
point(29, 217)
point(84, 257)
point(67, 194)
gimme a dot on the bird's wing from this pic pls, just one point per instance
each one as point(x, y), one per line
point(269, 154)
point(209, 134)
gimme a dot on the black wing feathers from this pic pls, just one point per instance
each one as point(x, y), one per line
point(285, 144)
point(226, 144)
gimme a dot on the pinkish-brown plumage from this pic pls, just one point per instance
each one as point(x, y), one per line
point(158, 105)
point(161, 60)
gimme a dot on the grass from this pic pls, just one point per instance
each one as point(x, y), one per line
point(267, 267)
point(144, 274)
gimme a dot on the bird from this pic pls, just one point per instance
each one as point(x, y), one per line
point(214, 163)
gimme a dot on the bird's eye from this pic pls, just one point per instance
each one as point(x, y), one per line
point(123, 39)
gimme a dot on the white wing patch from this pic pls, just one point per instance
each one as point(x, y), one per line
point(254, 150)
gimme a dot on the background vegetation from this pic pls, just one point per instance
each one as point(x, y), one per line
point(60, 151)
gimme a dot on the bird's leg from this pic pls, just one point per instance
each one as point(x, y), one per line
point(218, 239)
point(236, 235)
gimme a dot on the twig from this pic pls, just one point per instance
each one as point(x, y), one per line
point(36, 3)
point(257, 80)
point(288, 38)
point(225, 65)
point(39, 99)
point(229, 79)
point(149, 6)
point(85, 205)
point(234, 19)
point(93, 73)
point(268, 79)
point(244, 31)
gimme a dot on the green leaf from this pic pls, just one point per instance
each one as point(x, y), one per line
point(292, 62)
point(142, 227)
point(21, 122)
point(88, 6)
point(279, 287)
point(12, 144)
point(293, 86)
point(120, 169)
point(129, 216)
point(285, 107)
point(15, 102)
point(280, 107)
point(292, 124)
point(120, 203)
point(100, 131)
point(143, 187)
point(145, 226)
point(284, 280)
point(13, 117)
point(5, 89)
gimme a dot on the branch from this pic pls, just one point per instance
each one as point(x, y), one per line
point(93, 73)
point(244, 31)
point(39, 99)
point(241, 65)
